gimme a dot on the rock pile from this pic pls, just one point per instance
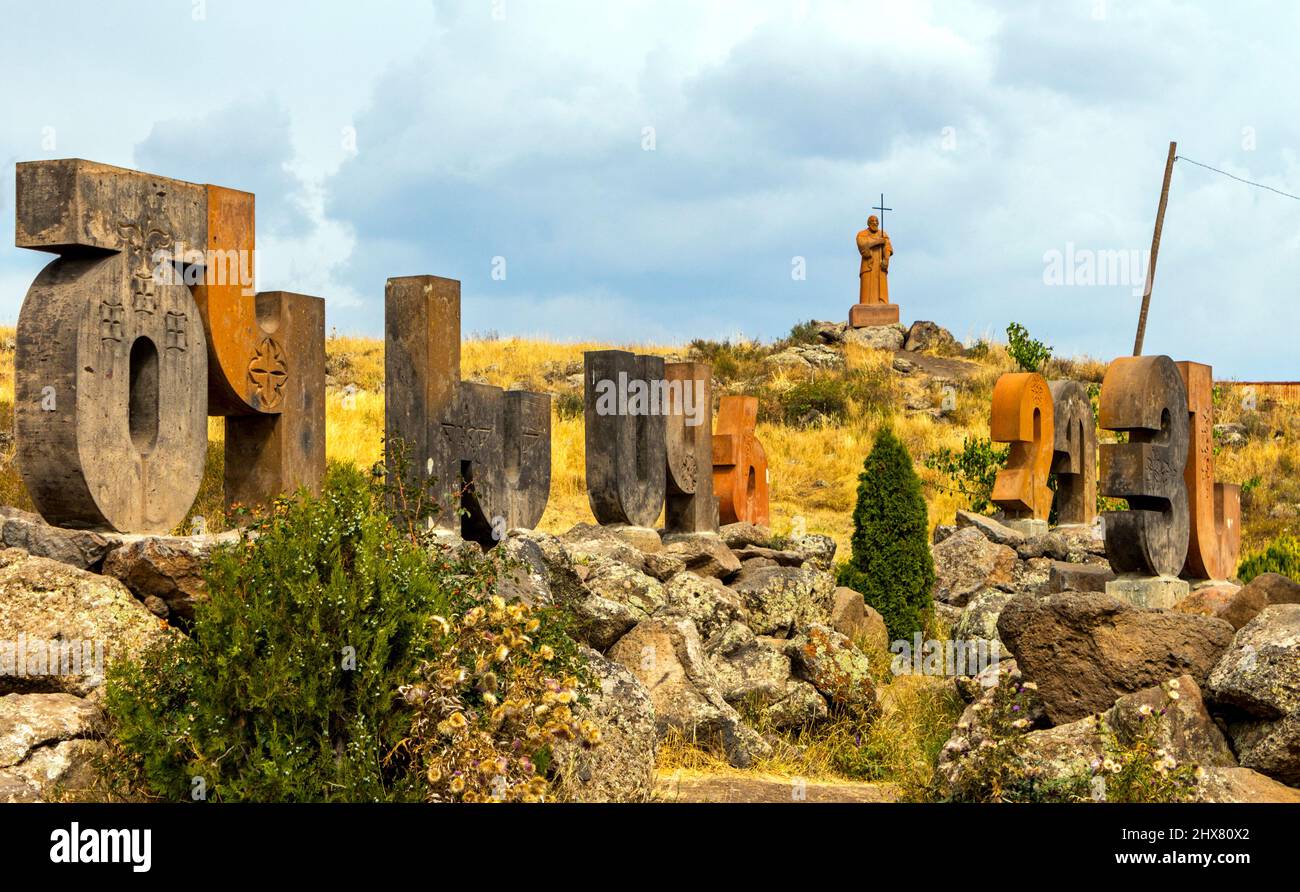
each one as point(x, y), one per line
point(1087, 667)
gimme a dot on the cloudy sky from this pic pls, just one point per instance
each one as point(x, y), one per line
point(658, 171)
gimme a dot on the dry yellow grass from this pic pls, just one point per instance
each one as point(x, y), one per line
point(814, 468)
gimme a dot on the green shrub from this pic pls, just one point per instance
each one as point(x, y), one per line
point(1029, 354)
point(287, 690)
point(1281, 556)
point(731, 360)
point(973, 470)
point(890, 562)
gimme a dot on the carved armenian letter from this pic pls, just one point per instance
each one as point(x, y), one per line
point(1214, 540)
point(625, 436)
point(487, 450)
point(689, 505)
point(266, 362)
point(1074, 456)
point(1145, 397)
point(739, 463)
point(110, 402)
point(1023, 416)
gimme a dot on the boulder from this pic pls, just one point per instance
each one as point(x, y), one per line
point(1067, 577)
point(839, 671)
point(816, 549)
point(876, 337)
point(1242, 605)
point(47, 745)
point(991, 529)
point(1084, 542)
point(857, 620)
point(667, 656)
point(777, 600)
point(1243, 785)
point(83, 549)
point(710, 604)
point(979, 620)
point(621, 768)
point(739, 535)
point(1051, 545)
point(167, 569)
point(1085, 650)
point(67, 620)
point(1077, 750)
point(941, 531)
point(704, 554)
point(966, 562)
point(771, 556)
point(616, 581)
point(586, 542)
point(755, 675)
point(928, 337)
point(1259, 678)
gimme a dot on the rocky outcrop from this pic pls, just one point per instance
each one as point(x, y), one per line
point(82, 549)
point(928, 337)
point(72, 623)
point(838, 670)
point(777, 600)
point(667, 656)
point(966, 562)
point(756, 675)
point(622, 767)
point(165, 572)
point(1259, 679)
point(1084, 650)
point(48, 746)
point(858, 621)
point(710, 604)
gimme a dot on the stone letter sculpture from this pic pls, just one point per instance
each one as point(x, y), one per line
point(110, 404)
point(1145, 396)
point(1074, 459)
point(145, 324)
point(739, 463)
point(873, 306)
point(625, 436)
point(1023, 416)
point(1214, 542)
point(487, 450)
point(266, 363)
point(689, 505)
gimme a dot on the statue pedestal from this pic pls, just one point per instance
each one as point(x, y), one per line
point(871, 315)
point(1149, 591)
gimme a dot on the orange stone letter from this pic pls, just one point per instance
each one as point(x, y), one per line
point(739, 463)
point(1023, 417)
point(1214, 541)
point(266, 363)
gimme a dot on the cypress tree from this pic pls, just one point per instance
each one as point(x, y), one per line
point(891, 564)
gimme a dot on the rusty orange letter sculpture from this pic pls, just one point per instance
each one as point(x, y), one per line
point(739, 463)
point(1074, 458)
point(1023, 416)
point(1145, 396)
point(1214, 540)
point(117, 355)
point(266, 362)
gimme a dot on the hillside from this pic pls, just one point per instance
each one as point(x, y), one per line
point(821, 400)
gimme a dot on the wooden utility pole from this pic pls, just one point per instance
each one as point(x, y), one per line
point(1155, 249)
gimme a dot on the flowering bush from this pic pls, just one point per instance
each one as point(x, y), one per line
point(491, 705)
